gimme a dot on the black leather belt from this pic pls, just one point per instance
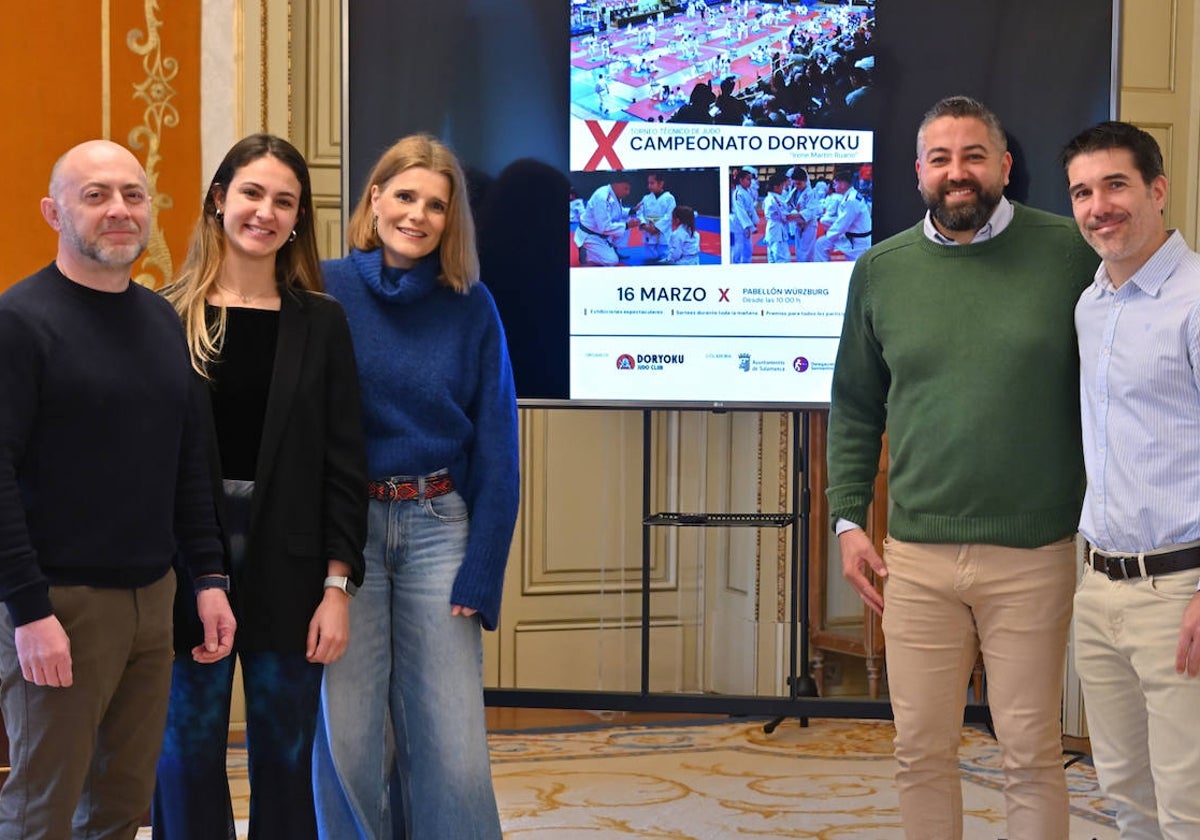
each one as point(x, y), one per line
point(1126, 566)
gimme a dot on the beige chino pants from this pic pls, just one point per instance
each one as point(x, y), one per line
point(943, 604)
point(1141, 714)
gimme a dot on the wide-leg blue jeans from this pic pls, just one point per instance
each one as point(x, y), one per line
point(401, 745)
point(191, 797)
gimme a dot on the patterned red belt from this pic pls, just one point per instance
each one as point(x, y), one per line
point(395, 491)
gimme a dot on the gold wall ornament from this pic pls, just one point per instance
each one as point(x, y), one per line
point(156, 91)
point(263, 74)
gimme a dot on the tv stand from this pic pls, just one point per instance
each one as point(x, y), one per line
point(792, 692)
point(800, 682)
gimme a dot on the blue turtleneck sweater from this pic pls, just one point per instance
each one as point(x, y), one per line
point(437, 392)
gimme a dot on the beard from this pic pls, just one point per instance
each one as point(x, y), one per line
point(112, 256)
point(967, 215)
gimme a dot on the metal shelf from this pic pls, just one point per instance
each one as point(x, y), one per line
point(722, 520)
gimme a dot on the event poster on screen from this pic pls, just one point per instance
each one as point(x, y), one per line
point(717, 201)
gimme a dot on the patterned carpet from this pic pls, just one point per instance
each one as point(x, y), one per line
point(829, 781)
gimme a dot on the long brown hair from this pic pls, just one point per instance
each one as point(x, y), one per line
point(460, 261)
point(297, 263)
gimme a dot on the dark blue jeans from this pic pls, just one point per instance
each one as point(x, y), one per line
point(191, 799)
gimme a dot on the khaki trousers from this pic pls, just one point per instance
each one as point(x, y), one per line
point(943, 604)
point(86, 754)
point(1141, 714)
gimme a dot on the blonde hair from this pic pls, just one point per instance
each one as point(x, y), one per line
point(297, 263)
point(460, 260)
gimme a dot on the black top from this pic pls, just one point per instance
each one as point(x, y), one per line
point(240, 383)
point(102, 455)
point(310, 471)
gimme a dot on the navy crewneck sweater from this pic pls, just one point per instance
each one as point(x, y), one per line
point(103, 469)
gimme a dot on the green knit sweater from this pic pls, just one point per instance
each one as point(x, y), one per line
point(966, 355)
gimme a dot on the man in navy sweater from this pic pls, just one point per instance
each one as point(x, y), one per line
point(103, 480)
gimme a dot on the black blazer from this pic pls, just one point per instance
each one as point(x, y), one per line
point(310, 484)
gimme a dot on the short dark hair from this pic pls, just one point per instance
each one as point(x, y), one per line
point(844, 175)
point(1111, 134)
point(962, 107)
point(777, 178)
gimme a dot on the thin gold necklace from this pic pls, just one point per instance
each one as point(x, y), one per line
point(247, 299)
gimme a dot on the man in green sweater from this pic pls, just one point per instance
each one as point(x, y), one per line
point(958, 342)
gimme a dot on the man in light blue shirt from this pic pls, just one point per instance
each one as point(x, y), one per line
point(1137, 614)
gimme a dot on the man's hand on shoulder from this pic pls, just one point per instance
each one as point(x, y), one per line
point(1187, 653)
point(44, 651)
point(219, 626)
point(858, 559)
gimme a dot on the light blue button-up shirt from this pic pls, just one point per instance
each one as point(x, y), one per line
point(1139, 351)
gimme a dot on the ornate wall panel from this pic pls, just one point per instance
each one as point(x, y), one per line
point(316, 108)
point(126, 70)
point(596, 654)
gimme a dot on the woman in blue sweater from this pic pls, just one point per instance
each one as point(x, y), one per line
point(440, 415)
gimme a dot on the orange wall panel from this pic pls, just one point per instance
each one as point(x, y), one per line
point(126, 70)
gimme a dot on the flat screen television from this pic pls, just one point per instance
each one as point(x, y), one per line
point(569, 114)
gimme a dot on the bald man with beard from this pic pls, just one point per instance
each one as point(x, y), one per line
point(103, 481)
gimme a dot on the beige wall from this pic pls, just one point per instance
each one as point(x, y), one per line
point(570, 610)
point(1159, 92)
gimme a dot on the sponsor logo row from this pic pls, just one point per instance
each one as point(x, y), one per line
point(660, 361)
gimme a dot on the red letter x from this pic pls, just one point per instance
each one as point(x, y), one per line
point(724, 295)
point(604, 145)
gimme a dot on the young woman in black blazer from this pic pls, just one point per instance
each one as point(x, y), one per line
point(290, 470)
